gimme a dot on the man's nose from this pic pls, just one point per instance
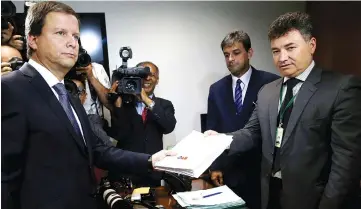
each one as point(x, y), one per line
point(230, 58)
point(283, 56)
point(72, 42)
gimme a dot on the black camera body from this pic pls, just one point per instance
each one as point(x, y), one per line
point(84, 58)
point(16, 63)
point(8, 10)
point(130, 80)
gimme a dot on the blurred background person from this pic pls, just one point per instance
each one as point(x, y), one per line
point(11, 59)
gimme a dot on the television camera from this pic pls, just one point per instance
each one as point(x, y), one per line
point(129, 79)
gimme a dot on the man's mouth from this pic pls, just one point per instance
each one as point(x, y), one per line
point(285, 65)
point(69, 55)
point(146, 85)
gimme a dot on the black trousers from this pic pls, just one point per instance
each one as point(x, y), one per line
point(275, 193)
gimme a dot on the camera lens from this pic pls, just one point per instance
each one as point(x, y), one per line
point(131, 86)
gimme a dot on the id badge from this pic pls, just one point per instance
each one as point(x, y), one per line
point(279, 136)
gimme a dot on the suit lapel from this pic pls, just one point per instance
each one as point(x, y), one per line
point(83, 118)
point(228, 92)
point(273, 108)
point(47, 94)
point(308, 88)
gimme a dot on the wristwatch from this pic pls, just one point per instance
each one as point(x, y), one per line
point(150, 107)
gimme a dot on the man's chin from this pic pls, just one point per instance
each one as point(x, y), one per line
point(68, 64)
point(288, 72)
point(148, 91)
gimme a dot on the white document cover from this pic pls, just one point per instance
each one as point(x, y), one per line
point(195, 153)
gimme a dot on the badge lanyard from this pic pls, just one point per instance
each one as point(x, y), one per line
point(279, 131)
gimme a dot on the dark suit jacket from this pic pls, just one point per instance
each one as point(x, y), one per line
point(44, 163)
point(222, 117)
point(136, 136)
point(321, 148)
point(96, 124)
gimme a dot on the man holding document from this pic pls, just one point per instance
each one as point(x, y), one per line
point(308, 124)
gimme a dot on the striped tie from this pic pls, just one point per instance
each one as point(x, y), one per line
point(64, 101)
point(238, 97)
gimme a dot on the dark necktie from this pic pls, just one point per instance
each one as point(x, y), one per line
point(291, 83)
point(238, 97)
point(144, 114)
point(64, 101)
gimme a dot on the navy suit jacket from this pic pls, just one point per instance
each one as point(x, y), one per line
point(222, 117)
point(134, 135)
point(45, 164)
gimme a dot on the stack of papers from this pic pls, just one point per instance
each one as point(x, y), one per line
point(219, 197)
point(195, 153)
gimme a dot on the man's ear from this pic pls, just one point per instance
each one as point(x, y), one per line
point(32, 42)
point(250, 53)
point(312, 45)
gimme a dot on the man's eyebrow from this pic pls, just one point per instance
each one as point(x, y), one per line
point(290, 44)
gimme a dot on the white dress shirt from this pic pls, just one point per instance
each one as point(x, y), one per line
point(244, 84)
point(140, 106)
point(52, 80)
point(101, 75)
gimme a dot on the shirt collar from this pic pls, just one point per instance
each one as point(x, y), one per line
point(150, 96)
point(303, 76)
point(244, 78)
point(49, 77)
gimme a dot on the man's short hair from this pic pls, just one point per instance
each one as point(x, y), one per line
point(148, 63)
point(291, 21)
point(35, 18)
point(237, 37)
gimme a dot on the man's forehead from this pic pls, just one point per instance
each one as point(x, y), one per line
point(233, 47)
point(151, 67)
point(291, 37)
point(8, 52)
point(60, 20)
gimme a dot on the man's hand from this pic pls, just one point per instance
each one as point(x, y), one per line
point(144, 98)
point(217, 178)
point(161, 155)
point(118, 101)
point(210, 132)
point(7, 33)
point(88, 70)
point(17, 42)
point(5, 68)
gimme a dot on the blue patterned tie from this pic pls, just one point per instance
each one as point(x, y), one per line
point(238, 96)
point(64, 101)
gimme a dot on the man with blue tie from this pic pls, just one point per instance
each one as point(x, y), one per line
point(48, 150)
point(230, 104)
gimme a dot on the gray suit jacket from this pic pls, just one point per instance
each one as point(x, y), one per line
point(320, 154)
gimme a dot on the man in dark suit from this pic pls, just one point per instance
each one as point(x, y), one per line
point(308, 125)
point(48, 149)
point(140, 126)
point(240, 173)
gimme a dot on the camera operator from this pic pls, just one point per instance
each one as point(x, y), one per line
point(9, 31)
point(99, 80)
point(76, 88)
point(140, 127)
point(10, 59)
